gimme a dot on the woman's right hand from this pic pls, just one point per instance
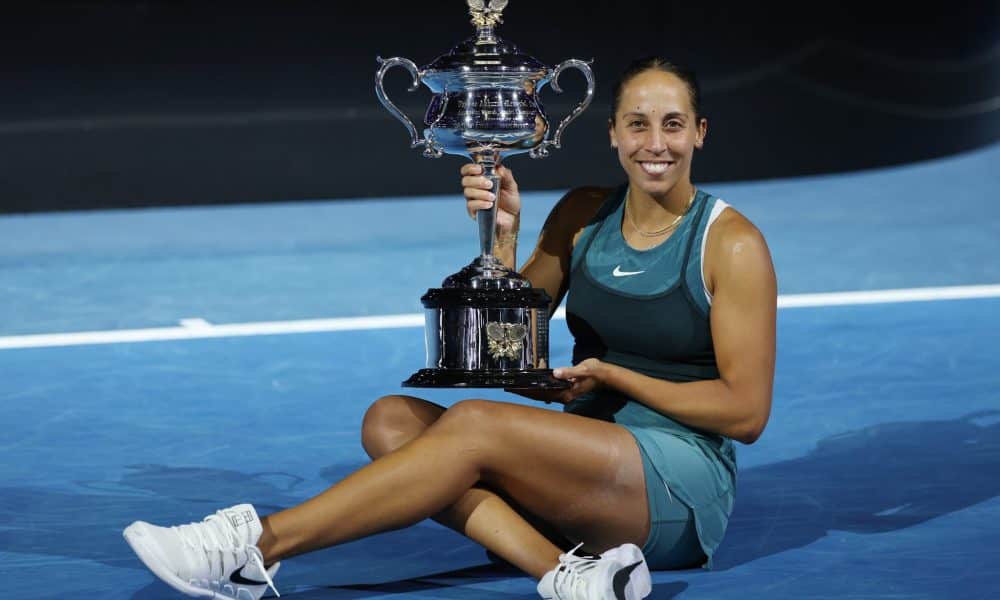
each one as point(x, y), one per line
point(476, 189)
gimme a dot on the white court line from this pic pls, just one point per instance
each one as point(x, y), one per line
point(196, 328)
point(189, 331)
point(959, 292)
point(195, 323)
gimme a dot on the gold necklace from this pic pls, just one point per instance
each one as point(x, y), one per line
point(673, 225)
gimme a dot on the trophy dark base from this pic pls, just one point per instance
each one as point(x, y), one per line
point(532, 379)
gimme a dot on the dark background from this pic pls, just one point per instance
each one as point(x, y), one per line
point(128, 103)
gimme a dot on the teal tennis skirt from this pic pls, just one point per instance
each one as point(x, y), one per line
point(673, 541)
point(690, 482)
point(690, 499)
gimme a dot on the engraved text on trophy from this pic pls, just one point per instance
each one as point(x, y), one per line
point(504, 118)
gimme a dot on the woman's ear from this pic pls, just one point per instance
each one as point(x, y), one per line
point(699, 139)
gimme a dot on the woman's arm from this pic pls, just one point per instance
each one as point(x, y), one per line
point(548, 265)
point(744, 307)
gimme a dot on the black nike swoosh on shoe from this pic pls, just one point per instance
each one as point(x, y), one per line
point(621, 580)
point(237, 577)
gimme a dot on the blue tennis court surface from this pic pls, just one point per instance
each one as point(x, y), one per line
point(878, 476)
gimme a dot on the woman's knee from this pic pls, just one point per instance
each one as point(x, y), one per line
point(472, 418)
point(393, 420)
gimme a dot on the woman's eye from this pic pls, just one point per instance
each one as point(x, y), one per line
point(675, 125)
point(635, 124)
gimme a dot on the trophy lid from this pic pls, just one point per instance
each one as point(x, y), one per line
point(493, 54)
point(485, 51)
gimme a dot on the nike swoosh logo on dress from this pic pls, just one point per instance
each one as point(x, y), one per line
point(619, 273)
point(621, 580)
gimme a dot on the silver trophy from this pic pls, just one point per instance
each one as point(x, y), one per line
point(485, 326)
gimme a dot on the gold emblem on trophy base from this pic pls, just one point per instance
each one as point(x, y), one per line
point(506, 340)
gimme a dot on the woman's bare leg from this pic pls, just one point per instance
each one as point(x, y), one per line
point(481, 514)
point(582, 475)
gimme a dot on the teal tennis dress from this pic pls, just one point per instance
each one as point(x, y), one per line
point(647, 310)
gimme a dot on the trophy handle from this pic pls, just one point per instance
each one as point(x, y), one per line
point(542, 150)
point(431, 150)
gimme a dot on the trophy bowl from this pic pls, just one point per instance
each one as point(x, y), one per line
point(485, 326)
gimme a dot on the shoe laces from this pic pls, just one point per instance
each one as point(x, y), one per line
point(571, 579)
point(217, 534)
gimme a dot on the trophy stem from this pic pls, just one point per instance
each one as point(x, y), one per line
point(487, 219)
point(485, 35)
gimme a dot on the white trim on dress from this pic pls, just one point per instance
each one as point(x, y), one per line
point(719, 206)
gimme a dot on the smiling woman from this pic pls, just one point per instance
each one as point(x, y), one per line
point(671, 301)
point(656, 125)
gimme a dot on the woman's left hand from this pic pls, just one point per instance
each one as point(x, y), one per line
point(586, 376)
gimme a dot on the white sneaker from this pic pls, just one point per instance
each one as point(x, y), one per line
point(619, 574)
point(217, 558)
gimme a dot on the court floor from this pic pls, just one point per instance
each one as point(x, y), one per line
point(163, 363)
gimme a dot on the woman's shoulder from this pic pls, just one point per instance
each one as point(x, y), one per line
point(584, 198)
point(733, 239)
point(733, 227)
point(578, 207)
point(566, 222)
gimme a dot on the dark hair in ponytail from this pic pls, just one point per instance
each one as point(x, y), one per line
point(658, 63)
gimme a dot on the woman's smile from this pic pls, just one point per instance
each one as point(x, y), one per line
point(654, 167)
